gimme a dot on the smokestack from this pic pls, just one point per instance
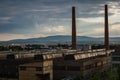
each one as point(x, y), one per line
point(106, 42)
point(73, 28)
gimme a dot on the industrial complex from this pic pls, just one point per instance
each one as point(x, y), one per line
point(62, 64)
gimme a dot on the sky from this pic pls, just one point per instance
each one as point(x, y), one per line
point(22, 19)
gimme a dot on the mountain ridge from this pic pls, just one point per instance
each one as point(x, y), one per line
point(57, 39)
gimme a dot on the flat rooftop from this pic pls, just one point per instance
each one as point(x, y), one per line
point(77, 54)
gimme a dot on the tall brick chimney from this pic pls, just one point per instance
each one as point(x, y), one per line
point(106, 35)
point(73, 28)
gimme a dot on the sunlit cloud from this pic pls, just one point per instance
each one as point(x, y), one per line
point(92, 20)
point(5, 37)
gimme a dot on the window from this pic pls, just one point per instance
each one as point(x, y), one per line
point(59, 67)
point(73, 68)
point(38, 57)
point(43, 76)
point(22, 68)
point(16, 74)
point(116, 58)
point(38, 68)
point(39, 75)
point(104, 62)
point(99, 63)
point(88, 66)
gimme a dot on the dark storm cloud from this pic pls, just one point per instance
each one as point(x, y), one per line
point(21, 16)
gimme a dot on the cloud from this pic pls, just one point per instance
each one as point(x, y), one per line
point(92, 20)
point(98, 30)
point(115, 23)
point(7, 36)
point(41, 10)
point(114, 7)
point(37, 35)
point(5, 20)
point(36, 10)
point(45, 17)
point(114, 31)
point(53, 30)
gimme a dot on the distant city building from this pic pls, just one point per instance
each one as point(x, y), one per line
point(84, 47)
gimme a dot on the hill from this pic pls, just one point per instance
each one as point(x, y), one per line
point(58, 39)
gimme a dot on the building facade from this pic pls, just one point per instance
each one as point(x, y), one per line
point(115, 58)
point(81, 65)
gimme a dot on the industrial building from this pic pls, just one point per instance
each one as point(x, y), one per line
point(55, 65)
point(71, 63)
point(40, 69)
point(115, 58)
point(9, 64)
point(81, 64)
point(59, 64)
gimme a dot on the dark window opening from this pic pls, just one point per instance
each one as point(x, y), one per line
point(22, 68)
point(73, 68)
point(59, 67)
point(38, 68)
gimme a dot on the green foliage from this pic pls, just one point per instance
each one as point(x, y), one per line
point(97, 76)
point(2, 48)
point(15, 48)
point(78, 78)
point(118, 71)
point(97, 46)
point(107, 75)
